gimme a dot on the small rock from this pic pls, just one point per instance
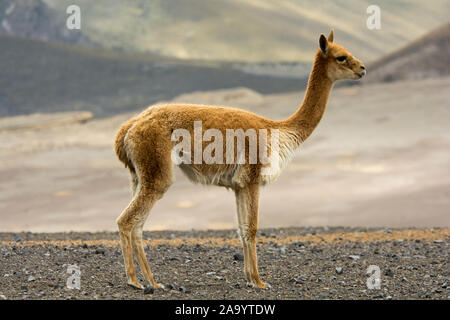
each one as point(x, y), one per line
point(389, 297)
point(354, 257)
point(24, 288)
point(238, 257)
point(170, 286)
point(294, 280)
point(438, 241)
point(389, 273)
point(17, 239)
point(182, 289)
point(198, 247)
point(436, 291)
point(149, 290)
point(339, 270)
point(299, 244)
point(59, 286)
point(31, 278)
point(84, 246)
point(100, 251)
point(283, 250)
point(2, 297)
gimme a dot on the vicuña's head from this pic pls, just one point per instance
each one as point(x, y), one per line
point(340, 64)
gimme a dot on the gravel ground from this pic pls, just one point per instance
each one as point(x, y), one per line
point(299, 263)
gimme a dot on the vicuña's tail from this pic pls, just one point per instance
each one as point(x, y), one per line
point(119, 145)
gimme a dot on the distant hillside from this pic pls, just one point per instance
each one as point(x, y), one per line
point(424, 58)
point(231, 30)
point(34, 19)
point(38, 76)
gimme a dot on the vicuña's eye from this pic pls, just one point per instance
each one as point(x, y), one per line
point(341, 58)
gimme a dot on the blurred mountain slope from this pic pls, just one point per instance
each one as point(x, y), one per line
point(250, 30)
point(35, 19)
point(39, 76)
point(426, 57)
point(229, 30)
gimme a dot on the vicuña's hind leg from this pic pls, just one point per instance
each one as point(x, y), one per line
point(133, 182)
point(138, 248)
point(136, 211)
point(247, 207)
point(149, 154)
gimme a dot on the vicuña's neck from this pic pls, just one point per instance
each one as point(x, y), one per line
point(308, 116)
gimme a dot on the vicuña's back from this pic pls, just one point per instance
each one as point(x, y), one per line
point(222, 146)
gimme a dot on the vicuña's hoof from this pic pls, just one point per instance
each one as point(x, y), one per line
point(135, 285)
point(151, 288)
point(259, 284)
point(159, 286)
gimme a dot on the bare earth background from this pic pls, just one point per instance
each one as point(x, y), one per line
point(380, 157)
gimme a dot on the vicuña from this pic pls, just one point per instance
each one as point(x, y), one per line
point(144, 145)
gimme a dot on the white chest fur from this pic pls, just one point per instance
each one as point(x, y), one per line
point(280, 156)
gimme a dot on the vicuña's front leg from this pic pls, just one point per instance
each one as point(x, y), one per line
point(247, 208)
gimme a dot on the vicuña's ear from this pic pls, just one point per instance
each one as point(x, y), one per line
point(323, 43)
point(331, 36)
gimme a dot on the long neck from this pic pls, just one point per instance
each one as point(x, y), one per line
point(308, 116)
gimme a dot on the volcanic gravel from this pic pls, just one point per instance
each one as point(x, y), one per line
point(299, 263)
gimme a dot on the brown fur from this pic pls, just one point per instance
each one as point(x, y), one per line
point(144, 145)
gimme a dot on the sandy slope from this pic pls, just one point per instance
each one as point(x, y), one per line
point(380, 157)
